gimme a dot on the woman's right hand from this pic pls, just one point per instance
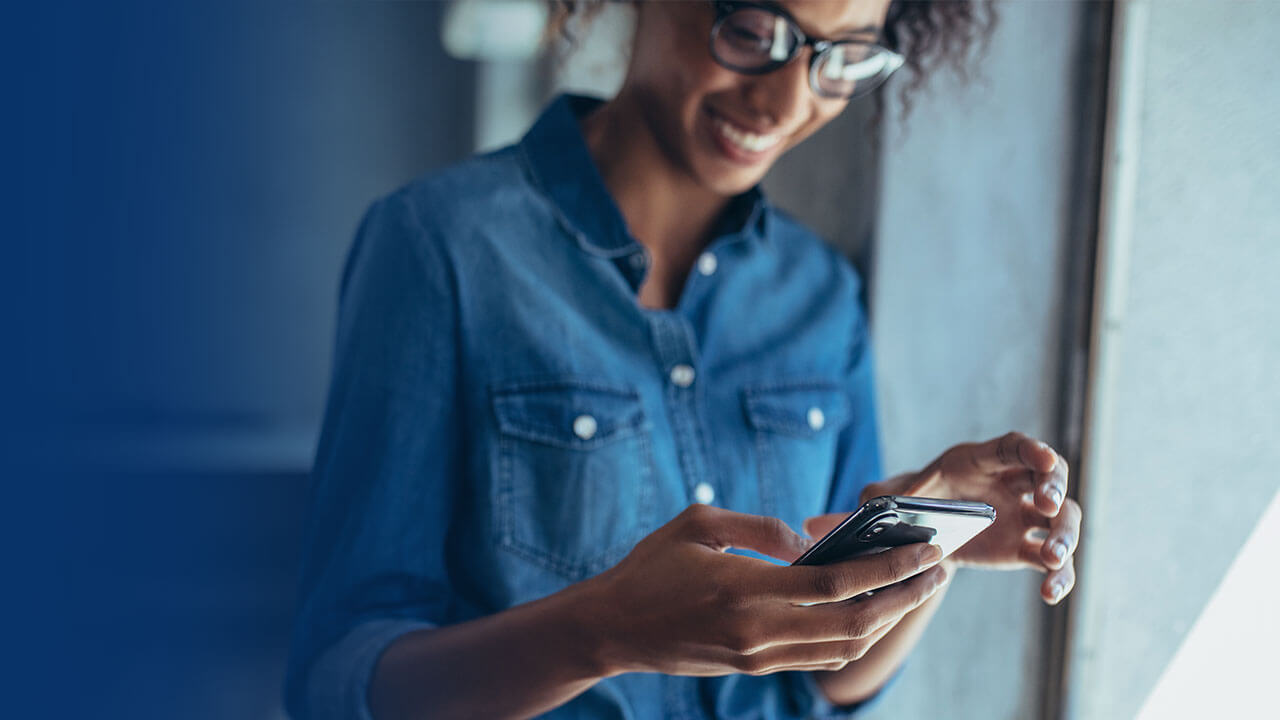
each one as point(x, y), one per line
point(678, 604)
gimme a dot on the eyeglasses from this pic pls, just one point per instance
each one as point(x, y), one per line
point(756, 39)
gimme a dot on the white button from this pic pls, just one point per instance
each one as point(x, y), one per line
point(816, 418)
point(704, 494)
point(639, 260)
point(584, 426)
point(682, 375)
point(706, 263)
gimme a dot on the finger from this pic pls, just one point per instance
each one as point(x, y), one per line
point(1011, 451)
point(1020, 483)
point(844, 652)
point(800, 656)
point(854, 626)
point(1059, 583)
point(1051, 489)
point(1032, 552)
point(1064, 535)
point(723, 529)
point(861, 617)
point(849, 578)
point(828, 655)
point(1032, 517)
point(819, 525)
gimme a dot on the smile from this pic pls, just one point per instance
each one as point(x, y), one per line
point(743, 139)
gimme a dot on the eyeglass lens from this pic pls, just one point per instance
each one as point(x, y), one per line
point(756, 40)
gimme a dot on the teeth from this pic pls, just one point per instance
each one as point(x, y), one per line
point(746, 140)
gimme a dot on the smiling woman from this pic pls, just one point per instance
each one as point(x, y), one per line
point(684, 369)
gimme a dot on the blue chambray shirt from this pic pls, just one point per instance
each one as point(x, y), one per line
point(506, 419)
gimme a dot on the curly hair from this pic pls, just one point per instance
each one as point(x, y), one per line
point(929, 33)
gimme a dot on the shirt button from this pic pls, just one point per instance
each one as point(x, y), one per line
point(682, 375)
point(816, 418)
point(584, 426)
point(704, 494)
point(639, 261)
point(706, 263)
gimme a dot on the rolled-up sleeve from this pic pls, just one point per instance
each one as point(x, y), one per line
point(383, 483)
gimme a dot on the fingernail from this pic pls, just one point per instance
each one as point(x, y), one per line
point(930, 554)
point(1057, 591)
point(1055, 495)
point(1059, 549)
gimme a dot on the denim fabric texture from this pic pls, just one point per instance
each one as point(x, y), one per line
point(505, 418)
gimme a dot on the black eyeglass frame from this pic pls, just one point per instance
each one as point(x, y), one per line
point(725, 8)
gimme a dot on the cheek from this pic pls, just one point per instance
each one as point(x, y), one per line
point(825, 112)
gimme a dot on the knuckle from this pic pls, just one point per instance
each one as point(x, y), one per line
point(750, 664)
point(698, 514)
point(826, 583)
point(774, 527)
point(857, 650)
point(741, 640)
point(896, 564)
point(857, 625)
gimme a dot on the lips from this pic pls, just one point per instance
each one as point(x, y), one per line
point(741, 144)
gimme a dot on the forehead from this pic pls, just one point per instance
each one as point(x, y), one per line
point(829, 18)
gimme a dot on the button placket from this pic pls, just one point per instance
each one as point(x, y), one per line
point(676, 350)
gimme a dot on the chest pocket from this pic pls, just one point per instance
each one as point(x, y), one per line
point(796, 424)
point(574, 490)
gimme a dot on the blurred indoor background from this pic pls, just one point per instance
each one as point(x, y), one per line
point(1080, 243)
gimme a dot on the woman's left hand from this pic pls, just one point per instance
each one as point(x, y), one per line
point(1025, 480)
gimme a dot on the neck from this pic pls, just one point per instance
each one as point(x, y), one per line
point(664, 208)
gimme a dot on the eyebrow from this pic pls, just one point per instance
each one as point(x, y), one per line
point(864, 30)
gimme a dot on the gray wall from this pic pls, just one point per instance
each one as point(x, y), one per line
point(1184, 417)
point(972, 232)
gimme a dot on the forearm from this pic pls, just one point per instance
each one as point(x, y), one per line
point(861, 678)
point(517, 663)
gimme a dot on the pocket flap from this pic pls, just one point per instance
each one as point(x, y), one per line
point(798, 407)
point(568, 412)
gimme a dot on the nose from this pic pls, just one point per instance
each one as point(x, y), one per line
point(783, 95)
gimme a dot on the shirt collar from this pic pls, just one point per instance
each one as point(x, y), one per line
point(560, 164)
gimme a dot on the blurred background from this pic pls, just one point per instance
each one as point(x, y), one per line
point(1081, 243)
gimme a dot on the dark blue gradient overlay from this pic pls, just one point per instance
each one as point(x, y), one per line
point(183, 180)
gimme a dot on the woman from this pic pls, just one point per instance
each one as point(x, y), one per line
point(572, 373)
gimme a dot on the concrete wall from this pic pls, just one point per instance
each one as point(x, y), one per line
point(1184, 417)
point(972, 232)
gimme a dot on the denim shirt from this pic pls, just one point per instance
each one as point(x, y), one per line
point(506, 419)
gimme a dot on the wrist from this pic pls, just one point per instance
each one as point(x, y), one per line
point(581, 618)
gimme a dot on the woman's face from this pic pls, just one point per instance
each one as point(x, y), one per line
point(723, 128)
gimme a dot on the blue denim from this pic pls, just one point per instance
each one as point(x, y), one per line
point(506, 419)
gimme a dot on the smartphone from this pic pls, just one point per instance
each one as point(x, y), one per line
point(892, 520)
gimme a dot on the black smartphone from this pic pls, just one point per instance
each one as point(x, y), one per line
point(892, 520)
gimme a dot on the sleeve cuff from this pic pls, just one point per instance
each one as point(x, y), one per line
point(823, 709)
point(338, 684)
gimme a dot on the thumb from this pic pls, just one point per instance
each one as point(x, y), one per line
point(723, 529)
